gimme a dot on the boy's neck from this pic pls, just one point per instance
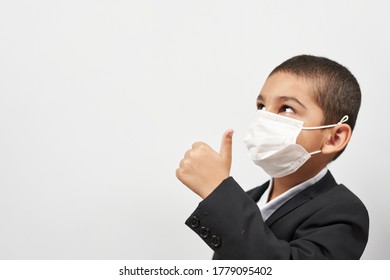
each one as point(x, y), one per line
point(281, 185)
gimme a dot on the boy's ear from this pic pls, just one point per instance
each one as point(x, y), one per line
point(337, 139)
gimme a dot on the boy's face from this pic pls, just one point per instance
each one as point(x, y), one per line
point(293, 97)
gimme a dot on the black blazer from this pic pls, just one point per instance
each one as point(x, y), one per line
point(325, 221)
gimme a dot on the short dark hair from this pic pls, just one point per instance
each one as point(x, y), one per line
point(336, 90)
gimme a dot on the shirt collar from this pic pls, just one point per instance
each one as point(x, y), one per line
point(268, 207)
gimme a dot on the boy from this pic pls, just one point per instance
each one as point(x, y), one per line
point(307, 110)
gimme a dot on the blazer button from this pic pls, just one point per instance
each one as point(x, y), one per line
point(215, 241)
point(194, 222)
point(204, 232)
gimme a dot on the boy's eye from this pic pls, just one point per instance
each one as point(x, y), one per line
point(287, 109)
point(261, 107)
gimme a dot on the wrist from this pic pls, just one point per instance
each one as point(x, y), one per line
point(206, 192)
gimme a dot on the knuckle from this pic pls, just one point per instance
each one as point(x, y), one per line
point(199, 145)
point(188, 154)
point(195, 145)
point(178, 173)
point(185, 163)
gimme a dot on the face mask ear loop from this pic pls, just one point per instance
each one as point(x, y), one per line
point(315, 152)
point(343, 120)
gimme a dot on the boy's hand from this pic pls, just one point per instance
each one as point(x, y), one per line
point(203, 169)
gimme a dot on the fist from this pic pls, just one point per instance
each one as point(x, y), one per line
point(202, 169)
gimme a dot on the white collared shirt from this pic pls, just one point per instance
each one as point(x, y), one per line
point(267, 208)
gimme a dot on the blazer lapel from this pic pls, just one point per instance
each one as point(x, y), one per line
point(306, 195)
point(257, 192)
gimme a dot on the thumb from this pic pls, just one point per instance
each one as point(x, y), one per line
point(226, 145)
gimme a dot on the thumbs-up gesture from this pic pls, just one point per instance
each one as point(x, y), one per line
point(203, 169)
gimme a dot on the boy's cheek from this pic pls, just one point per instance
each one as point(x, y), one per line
point(311, 140)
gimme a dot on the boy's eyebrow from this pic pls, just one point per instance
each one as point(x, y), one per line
point(289, 98)
point(283, 98)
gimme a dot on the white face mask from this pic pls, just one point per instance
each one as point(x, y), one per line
point(271, 141)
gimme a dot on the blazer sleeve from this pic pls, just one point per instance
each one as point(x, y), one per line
point(230, 223)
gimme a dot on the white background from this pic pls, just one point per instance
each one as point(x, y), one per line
point(99, 100)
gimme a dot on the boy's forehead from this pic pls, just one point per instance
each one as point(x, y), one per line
point(283, 86)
